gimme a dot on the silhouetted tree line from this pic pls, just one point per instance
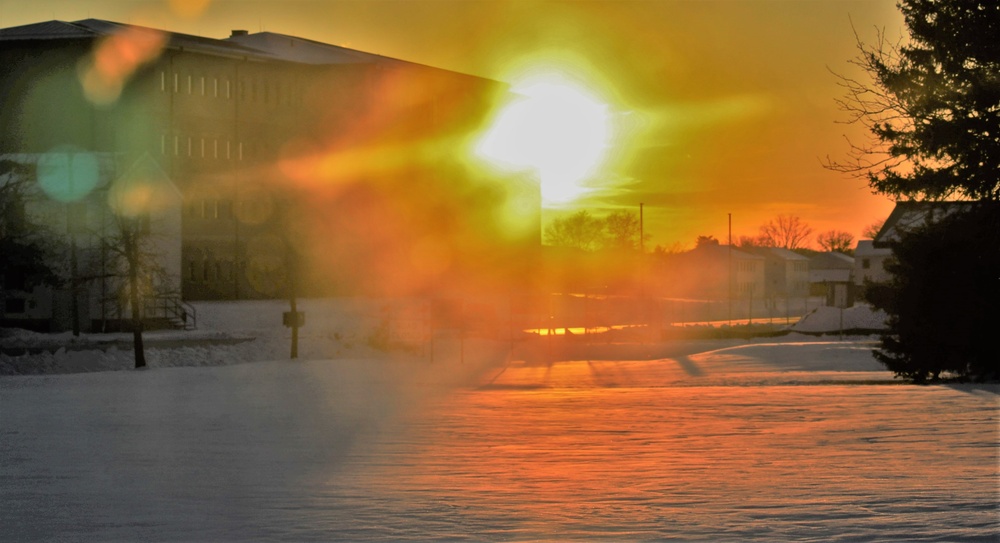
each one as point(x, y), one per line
point(581, 230)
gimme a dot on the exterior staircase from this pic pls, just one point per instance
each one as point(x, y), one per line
point(171, 312)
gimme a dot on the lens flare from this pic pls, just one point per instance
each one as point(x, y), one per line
point(67, 174)
point(557, 128)
point(104, 73)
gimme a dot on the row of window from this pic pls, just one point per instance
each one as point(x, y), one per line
point(206, 271)
point(210, 209)
point(247, 89)
point(746, 266)
point(201, 147)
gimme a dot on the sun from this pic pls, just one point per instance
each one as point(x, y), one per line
point(554, 126)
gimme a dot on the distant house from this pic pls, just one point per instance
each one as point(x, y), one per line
point(831, 276)
point(910, 215)
point(869, 263)
point(871, 255)
point(713, 272)
point(786, 273)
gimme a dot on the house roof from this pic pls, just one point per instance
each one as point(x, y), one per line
point(831, 260)
point(719, 250)
point(909, 215)
point(777, 252)
point(866, 247)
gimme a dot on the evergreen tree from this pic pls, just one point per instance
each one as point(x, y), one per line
point(25, 249)
point(933, 109)
point(934, 113)
point(943, 297)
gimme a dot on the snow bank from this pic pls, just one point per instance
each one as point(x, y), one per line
point(826, 320)
point(228, 333)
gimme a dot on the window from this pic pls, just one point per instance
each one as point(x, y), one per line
point(229, 153)
point(163, 81)
point(163, 144)
point(202, 147)
point(176, 82)
point(218, 271)
point(189, 145)
point(205, 271)
point(866, 263)
point(201, 85)
point(14, 305)
point(15, 280)
point(215, 87)
point(192, 274)
point(229, 93)
point(240, 156)
point(189, 84)
point(177, 144)
point(215, 148)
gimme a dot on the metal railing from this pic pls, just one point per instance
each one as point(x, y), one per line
point(173, 309)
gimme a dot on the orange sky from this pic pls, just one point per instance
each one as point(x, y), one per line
point(728, 106)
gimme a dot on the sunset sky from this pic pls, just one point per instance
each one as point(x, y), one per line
point(705, 108)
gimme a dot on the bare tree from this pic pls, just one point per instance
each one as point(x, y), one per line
point(835, 240)
point(25, 249)
point(785, 231)
point(580, 230)
point(705, 241)
point(872, 229)
point(753, 241)
point(623, 230)
point(144, 191)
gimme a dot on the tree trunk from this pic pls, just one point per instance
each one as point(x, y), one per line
point(132, 256)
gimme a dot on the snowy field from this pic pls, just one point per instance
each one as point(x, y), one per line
point(796, 439)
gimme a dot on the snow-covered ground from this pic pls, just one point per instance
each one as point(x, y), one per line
point(796, 439)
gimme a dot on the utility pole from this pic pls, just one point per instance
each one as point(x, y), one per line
point(729, 310)
point(642, 237)
point(642, 270)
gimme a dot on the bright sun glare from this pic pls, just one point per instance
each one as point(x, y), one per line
point(555, 127)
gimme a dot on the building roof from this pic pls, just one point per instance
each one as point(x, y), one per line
point(97, 28)
point(259, 46)
point(830, 276)
point(909, 215)
point(777, 252)
point(866, 247)
point(713, 250)
point(831, 260)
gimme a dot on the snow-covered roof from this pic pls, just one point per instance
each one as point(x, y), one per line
point(98, 28)
point(777, 252)
point(866, 247)
point(831, 260)
point(909, 215)
point(260, 46)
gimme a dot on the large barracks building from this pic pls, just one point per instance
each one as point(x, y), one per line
point(293, 161)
